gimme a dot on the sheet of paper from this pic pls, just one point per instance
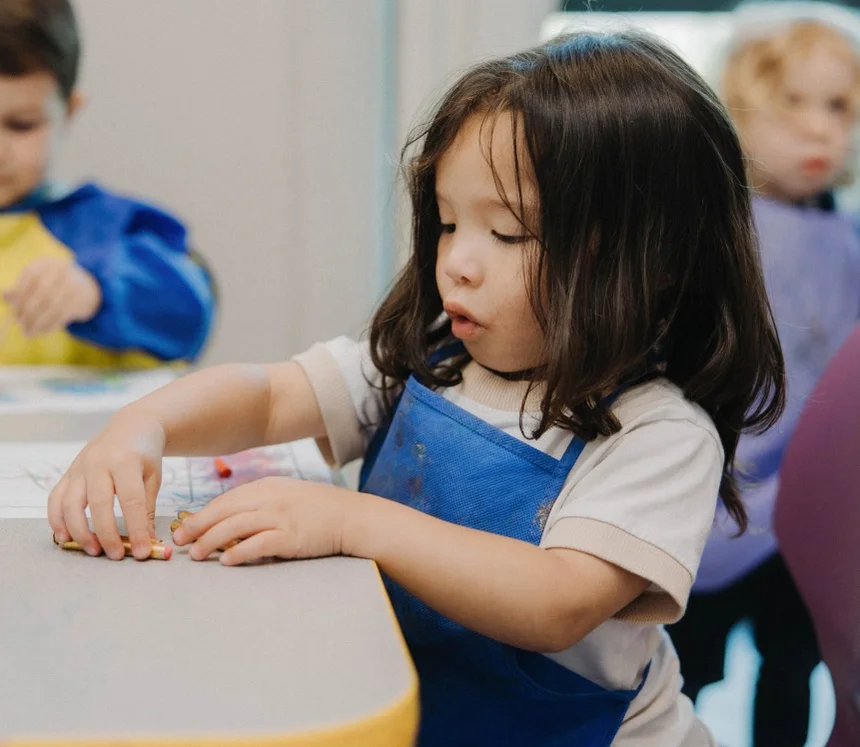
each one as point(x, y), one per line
point(28, 472)
point(26, 389)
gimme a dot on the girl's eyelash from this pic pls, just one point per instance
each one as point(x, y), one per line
point(518, 239)
point(500, 237)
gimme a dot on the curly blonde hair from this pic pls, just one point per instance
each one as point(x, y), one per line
point(755, 66)
point(754, 69)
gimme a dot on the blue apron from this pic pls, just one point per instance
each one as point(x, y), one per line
point(439, 459)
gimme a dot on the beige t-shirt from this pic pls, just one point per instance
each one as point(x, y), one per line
point(642, 499)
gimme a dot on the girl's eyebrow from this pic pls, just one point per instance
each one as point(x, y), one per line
point(488, 202)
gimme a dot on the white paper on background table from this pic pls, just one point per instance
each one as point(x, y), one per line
point(28, 472)
point(67, 389)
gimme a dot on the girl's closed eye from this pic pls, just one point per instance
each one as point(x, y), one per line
point(520, 238)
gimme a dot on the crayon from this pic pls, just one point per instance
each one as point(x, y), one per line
point(158, 550)
point(222, 468)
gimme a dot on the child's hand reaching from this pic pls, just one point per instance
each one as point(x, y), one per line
point(124, 460)
point(275, 517)
point(51, 293)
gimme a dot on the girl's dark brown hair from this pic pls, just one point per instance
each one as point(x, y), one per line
point(645, 240)
point(40, 36)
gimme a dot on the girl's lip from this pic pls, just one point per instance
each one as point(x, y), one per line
point(463, 325)
point(464, 328)
point(455, 310)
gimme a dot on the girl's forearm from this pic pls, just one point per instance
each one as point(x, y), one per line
point(230, 408)
point(508, 590)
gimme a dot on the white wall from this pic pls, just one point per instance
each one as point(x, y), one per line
point(273, 128)
point(258, 122)
point(437, 40)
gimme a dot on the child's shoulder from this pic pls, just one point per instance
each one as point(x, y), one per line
point(660, 400)
point(91, 208)
point(93, 196)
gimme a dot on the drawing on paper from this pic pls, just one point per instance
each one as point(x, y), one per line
point(86, 385)
point(67, 389)
point(28, 473)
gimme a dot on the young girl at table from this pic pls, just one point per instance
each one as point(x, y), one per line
point(547, 406)
point(793, 88)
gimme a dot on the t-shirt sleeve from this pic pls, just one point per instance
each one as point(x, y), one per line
point(645, 504)
point(346, 386)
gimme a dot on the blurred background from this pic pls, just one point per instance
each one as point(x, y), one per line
point(273, 128)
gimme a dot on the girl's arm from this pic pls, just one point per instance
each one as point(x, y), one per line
point(512, 591)
point(225, 409)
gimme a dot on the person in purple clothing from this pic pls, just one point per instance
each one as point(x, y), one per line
point(794, 92)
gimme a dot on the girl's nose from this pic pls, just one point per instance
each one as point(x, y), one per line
point(462, 262)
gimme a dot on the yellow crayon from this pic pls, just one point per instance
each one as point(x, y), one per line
point(158, 550)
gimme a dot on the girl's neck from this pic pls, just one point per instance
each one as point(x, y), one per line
point(526, 374)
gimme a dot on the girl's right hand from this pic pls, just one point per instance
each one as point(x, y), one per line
point(124, 460)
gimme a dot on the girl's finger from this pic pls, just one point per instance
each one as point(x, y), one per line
point(100, 497)
point(75, 517)
point(151, 484)
point(55, 510)
point(131, 492)
point(239, 500)
point(262, 545)
point(237, 527)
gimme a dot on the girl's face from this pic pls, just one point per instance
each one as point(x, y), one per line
point(799, 141)
point(484, 253)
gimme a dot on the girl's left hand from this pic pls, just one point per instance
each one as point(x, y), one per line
point(275, 517)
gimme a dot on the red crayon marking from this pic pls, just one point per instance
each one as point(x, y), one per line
point(222, 468)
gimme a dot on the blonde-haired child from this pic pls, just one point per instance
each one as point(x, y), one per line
point(793, 91)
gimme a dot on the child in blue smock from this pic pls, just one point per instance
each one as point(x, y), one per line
point(547, 405)
point(794, 90)
point(86, 276)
